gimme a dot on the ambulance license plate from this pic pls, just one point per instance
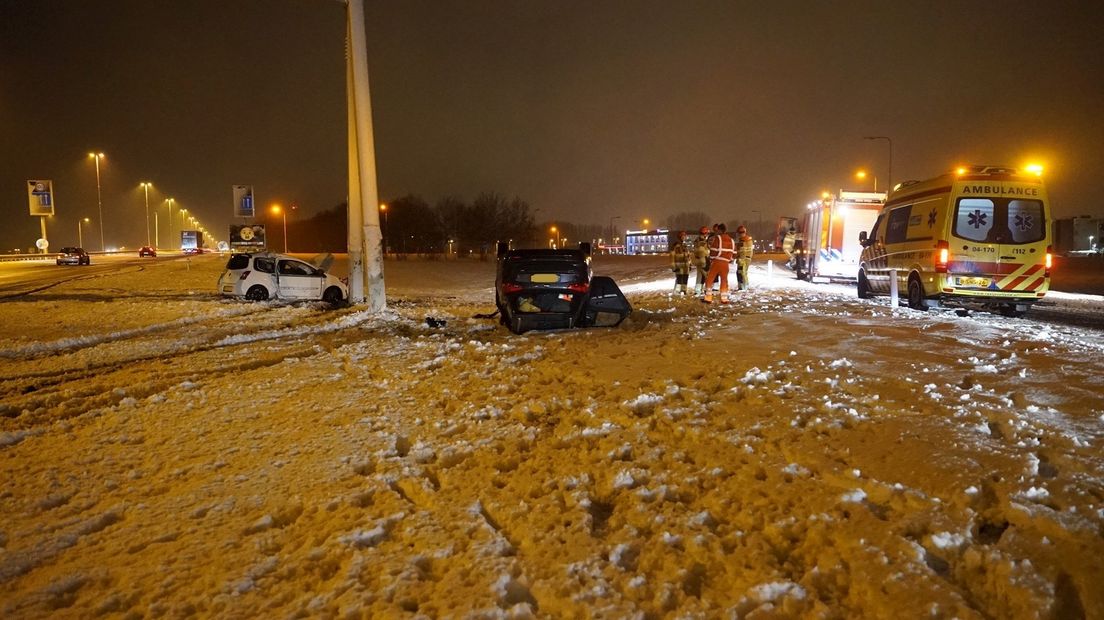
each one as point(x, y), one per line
point(975, 282)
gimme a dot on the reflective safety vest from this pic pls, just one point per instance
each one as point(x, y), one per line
point(722, 247)
point(746, 247)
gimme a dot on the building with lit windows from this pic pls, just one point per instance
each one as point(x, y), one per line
point(647, 241)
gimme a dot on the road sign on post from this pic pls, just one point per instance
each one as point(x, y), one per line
point(40, 197)
point(247, 238)
point(243, 201)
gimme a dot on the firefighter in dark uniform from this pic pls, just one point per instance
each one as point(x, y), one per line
point(745, 248)
point(700, 259)
point(680, 263)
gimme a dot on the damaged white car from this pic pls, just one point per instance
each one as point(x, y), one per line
point(264, 275)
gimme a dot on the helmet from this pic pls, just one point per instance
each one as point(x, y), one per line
point(741, 230)
point(704, 230)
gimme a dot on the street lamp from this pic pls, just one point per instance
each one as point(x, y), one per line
point(99, 199)
point(183, 214)
point(278, 209)
point(552, 239)
point(383, 231)
point(861, 174)
point(170, 201)
point(145, 186)
point(889, 180)
point(80, 234)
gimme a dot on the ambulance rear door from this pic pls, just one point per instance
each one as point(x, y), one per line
point(998, 245)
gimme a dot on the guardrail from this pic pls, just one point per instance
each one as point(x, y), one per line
point(52, 256)
point(14, 257)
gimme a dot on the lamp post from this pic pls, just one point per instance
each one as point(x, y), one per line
point(183, 214)
point(861, 174)
point(552, 238)
point(281, 211)
point(383, 231)
point(80, 233)
point(99, 198)
point(889, 177)
point(169, 221)
point(145, 186)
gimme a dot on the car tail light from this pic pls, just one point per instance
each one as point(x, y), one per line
point(511, 288)
point(579, 287)
point(244, 275)
point(942, 256)
point(1048, 262)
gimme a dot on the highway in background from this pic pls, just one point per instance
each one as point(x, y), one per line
point(24, 275)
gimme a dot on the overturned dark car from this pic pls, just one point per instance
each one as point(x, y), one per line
point(554, 289)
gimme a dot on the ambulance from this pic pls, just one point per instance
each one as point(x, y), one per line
point(977, 237)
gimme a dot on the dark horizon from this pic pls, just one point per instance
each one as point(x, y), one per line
point(586, 111)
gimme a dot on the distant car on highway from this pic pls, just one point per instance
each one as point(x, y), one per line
point(192, 251)
point(264, 275)
point(73, 256)
point(147, 251)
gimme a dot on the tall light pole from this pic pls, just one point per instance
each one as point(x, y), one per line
point(552, 238)
point(80, 233)
point(183, 221)
point(99, 199)
point(889, 179)
point(169, 221)
point(364, 237)
point(383, 231)
point(145, 186)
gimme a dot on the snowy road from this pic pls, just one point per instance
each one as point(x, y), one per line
point(798, 453)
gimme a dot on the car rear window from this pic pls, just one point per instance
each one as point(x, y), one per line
point(238, 261)
point(540, 272)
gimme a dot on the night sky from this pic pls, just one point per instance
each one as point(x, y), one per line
point(587, 110)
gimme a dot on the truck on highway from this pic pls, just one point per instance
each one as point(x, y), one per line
point(191, 241)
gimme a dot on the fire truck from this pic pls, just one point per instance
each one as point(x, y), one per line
point(830, 234)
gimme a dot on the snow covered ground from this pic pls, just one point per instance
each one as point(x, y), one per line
point(799, 453)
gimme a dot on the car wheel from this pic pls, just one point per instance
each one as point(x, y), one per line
point(333, 296)
point(256, 293)
point(916, 294)
point(863, 286)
